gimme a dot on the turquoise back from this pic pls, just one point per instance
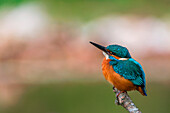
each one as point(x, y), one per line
point(131, 70)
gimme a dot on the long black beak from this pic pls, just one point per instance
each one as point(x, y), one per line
point(99, 47)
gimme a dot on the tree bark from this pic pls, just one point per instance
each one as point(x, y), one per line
point(123, 99)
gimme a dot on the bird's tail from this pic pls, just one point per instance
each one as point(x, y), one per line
point(142, 90)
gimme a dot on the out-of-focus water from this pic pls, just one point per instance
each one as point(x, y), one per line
point(76, 97)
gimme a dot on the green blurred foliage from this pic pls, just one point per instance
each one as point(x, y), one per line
point(93, 97)
point(85, 10)
point(9, 3)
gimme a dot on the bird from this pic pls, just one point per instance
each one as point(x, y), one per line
point(121, 70)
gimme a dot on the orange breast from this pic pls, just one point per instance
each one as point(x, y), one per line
point(115, 79)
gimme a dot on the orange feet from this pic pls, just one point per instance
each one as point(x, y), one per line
point(117, 95)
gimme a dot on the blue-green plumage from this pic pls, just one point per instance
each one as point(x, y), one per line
point(124, 65)
point(119, 51)
point(130, 69)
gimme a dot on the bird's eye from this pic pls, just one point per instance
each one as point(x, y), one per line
point(112, 53)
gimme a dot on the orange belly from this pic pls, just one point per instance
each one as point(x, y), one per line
point(115, 79)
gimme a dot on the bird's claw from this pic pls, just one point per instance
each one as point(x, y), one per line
point(114, 89)
point(117, 94)
point(119, 99)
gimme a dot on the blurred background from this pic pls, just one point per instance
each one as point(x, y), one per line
point(48, 66)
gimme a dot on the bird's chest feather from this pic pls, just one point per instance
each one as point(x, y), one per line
point(106, 68)
point(114, 78)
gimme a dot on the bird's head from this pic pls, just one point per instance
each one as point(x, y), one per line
point(113, 50)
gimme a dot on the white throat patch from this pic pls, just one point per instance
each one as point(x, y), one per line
point(123, 59)
point(106, 55)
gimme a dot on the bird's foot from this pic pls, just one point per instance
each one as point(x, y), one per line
point(119, 97)
point(114, 89)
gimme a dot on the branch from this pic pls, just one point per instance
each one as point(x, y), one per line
point(124, 100)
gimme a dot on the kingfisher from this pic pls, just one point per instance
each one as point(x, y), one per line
point(121, 70)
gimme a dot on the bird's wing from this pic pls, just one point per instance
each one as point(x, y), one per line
point(131, 70)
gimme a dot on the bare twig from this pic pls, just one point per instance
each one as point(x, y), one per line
point(124, 100)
